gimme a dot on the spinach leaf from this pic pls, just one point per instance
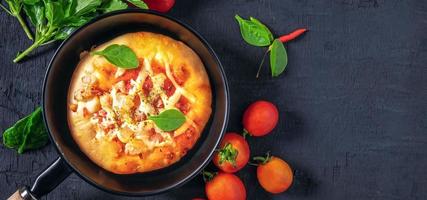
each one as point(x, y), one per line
point(27, 133)
point(278, 58)
point(138, 3)
point(254, 32)
point(119, 55)
point(169, 120)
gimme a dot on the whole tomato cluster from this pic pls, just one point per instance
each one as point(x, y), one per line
point(273, 173)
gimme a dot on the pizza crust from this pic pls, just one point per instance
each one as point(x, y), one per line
point(187, 73)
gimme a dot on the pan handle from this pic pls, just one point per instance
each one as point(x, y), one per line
point(47, 180)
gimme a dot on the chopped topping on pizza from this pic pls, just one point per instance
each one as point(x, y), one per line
point(116, 114)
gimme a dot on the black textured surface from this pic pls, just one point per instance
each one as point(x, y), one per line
point(353, 100)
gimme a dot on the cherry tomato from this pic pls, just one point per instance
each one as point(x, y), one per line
point(260, 118)
point(233, 154)
point(275, 176)
point(225, 186)
point(160, 5)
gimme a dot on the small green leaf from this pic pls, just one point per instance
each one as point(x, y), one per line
point(278, 58)
point(27, 133)
point(138, 3)
point(113, 5)
point(270, 35)
point(64, 33)
point(35, 13)
point(169, 120)
point(254, 32)
point(120, 55)
point(54, 13)
point(84, 7)
point(30, 2)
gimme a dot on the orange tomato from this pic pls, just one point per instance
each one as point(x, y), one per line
point(275, 176)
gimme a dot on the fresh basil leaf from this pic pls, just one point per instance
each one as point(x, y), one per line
point(30, 2)
point(76, 21)
point(254, 32)
point(54, 12)
point(84, 7)
point(138, 3)
point(119, 55)
point(64, 33)
point(27, 133)
point(256, 21)
point(13, 137)
point(278, 58)
point(169, 120)
point(113, 5)
point(70, 8)
point(35, 13)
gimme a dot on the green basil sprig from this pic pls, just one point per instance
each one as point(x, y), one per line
point(54, 20)
point(168, 120)
point(254, 32)
point(257, 34)
point(119, 55)
point(27, 133)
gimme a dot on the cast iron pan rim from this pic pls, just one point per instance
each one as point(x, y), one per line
point(226, 113)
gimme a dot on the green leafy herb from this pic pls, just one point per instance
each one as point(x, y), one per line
point(228, 154)
point(278, 58)
point(113, 5)
point(56, 19)
point(138, 3)
point(254, 32)
point(27, 133)
point(120, 55)
point(169, 120)
point(15, 7)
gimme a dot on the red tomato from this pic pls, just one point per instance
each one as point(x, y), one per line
point(233, 154)
point(275, 176)
point(260, 118)
point(225, 186)
point(160, 5)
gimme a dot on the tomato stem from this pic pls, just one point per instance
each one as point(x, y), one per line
point(245, 133)
point(228, 154)
point(253, 164)
point(208, 176)
point(263, 159)
point(262, 62)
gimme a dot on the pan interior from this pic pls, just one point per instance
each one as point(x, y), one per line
point(58, 79)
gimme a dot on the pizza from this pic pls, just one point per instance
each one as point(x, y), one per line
point(108, 107)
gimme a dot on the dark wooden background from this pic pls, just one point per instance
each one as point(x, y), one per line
point(353, 100)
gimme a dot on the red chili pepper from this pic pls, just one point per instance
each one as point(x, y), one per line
point(294, 34)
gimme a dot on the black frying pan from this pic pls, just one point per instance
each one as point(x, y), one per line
point(72, 160)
